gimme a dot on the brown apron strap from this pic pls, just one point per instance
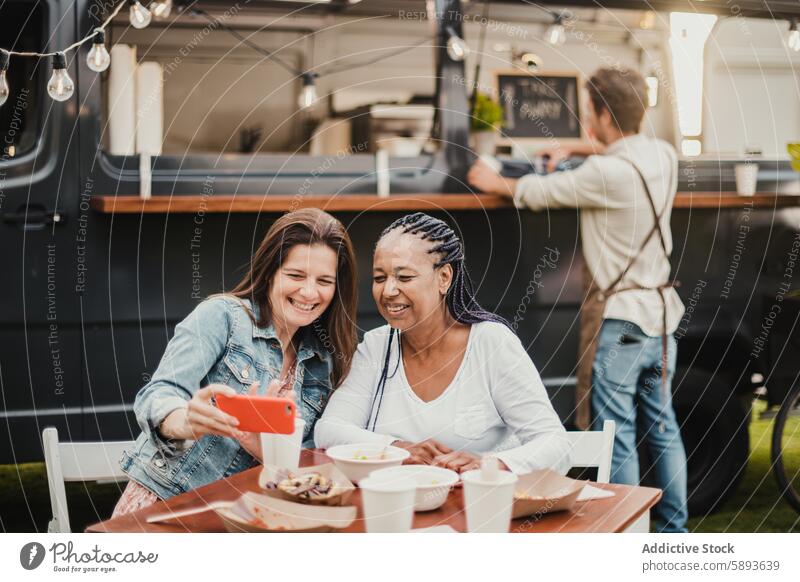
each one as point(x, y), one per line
point(657, 216)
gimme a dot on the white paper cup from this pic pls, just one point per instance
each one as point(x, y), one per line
point(388, 504)
point(283, 450)
point(488, 504)
point(746, 178)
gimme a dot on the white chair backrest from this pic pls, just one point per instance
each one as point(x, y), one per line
point(96, 461)
point(594, 449)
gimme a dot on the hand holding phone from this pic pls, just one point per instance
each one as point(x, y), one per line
point(260, 413)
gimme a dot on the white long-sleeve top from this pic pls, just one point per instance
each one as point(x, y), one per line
point(496, 403)
point(615, 219)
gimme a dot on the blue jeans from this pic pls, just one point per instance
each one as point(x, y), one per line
point(626, 388)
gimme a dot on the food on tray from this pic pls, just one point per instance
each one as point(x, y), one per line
point(307, 486)
point(360, 456)
point(525, 495)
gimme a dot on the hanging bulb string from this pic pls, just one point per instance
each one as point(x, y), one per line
point(324, 72)
point(268, 54)
point(401, 50)
point(199, 12)
point(74, 45)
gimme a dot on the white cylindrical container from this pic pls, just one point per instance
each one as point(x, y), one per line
point(388, 504)
point(746, 178)
point(145, 177)
point(122, 100)
point(283, 450)
point(488, 504)
point(382, 175)
point(149, 108)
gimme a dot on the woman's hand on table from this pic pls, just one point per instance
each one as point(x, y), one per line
point(422, 453)
point(458, 461)
point(462, 461)
point(200, 417)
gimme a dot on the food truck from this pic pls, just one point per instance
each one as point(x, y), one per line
point(146, 190)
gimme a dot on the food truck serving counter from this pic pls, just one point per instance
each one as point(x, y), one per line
point(397, 202)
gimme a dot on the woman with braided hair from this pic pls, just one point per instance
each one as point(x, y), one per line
point(445, 379)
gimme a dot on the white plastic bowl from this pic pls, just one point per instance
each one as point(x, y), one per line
point(360, 460)
point(433, 483)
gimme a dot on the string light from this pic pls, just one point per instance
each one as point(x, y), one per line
point(161, 9)
point(555, 34)
point(139, 15)
point(793, 38)
point(531, 61)
point(308, 94)
point(648, 20)
point(60, 87)
point(98, 58)
point(3, 81)
point(457, 49)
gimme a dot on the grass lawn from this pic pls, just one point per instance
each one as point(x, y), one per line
point(756, 506)
point(25, 500)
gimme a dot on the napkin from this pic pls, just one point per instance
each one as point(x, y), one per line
point(434, 529)
point(590, 492)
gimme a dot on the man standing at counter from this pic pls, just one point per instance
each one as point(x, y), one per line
point(631, 310)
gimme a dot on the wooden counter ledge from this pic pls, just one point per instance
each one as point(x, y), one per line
point(190, 204)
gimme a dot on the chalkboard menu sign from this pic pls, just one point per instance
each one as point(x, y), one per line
point(542, 106)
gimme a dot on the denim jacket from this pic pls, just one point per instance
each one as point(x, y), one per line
point(217, 344)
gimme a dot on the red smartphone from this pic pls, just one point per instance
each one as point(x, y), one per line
point(259, 413)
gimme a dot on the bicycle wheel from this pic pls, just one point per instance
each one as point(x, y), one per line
point(786, 449)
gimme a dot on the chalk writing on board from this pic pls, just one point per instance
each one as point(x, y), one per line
point(540, 109)
point(537, 105)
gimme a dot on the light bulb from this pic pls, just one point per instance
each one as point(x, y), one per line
point(555, 34)
point(140, 16)
point(98, 58)
point(308, 94)
point(531, 61)
point(60, 87)
point(793, 39)
point(4, 90)
point(648, 20)
point(457, 49)
point(161, 9)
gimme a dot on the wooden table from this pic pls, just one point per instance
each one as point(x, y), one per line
point(628, 510)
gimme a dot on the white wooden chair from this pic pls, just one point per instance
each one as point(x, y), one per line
point(95, 461)
point(594, 449)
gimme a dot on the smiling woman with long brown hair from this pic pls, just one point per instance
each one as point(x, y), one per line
point(288, 329)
